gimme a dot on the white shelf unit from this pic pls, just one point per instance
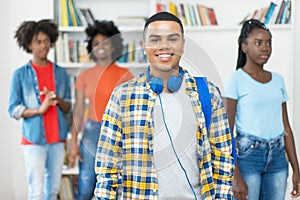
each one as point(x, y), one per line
point(209, 50)
point(70, 171)
point(129, 34)
point(228, 15)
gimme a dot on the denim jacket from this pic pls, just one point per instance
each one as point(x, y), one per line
point(24, 93)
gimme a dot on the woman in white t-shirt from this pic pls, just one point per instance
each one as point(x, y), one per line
point(256, 106)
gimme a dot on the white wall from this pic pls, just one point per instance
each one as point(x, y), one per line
point(13, 12)
point(296, 63)
point(5, 147)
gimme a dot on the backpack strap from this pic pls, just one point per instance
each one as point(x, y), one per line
point(205, 100)
point(204, 97)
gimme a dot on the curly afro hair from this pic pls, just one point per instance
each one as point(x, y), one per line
point(28, 29)
point(106, 28)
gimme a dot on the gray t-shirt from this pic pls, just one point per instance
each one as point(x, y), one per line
point(182, 125)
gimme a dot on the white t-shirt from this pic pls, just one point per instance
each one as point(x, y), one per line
point(259, 105)
point(182, 125)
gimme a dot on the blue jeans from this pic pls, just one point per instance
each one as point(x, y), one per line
point(43, 165)
point(88, 149)
point(264, 166)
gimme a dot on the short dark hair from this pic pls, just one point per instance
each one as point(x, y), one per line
point(248, 27)
point(28, 29)
point(109, 29)
point(163, 16)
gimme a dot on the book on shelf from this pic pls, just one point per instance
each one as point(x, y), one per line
point(74, 50)
point(269, 12)
point(77, 15)
point(212, 16)
point(203, 16)
point(197, 14)
point(59, 49)
point(187, 14)
point(133, 53)
point(83, 54)
point(70, 50)
point(66, 189)
point(254, 15)
point(192, 15)
point(247, 17)
point(67, 14)
point(182, 14)
point(173, 8)
point(63, 13)
point(69, 187)
point(66, 49)
point(263, 14)
point(88, 15)
point(288, 12)
point(280, 12)
point(258, 13)
point(273, 14)
point(160, 7)
point(71, 12)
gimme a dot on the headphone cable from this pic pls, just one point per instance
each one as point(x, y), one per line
point(181, 166)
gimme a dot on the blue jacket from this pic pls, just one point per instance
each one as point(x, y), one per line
point(25, 93)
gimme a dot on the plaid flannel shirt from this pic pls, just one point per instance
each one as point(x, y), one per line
point(124, 159)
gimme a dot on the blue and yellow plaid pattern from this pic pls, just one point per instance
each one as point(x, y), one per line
point(124, 159)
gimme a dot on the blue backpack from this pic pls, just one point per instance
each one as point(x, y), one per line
point(206, 107)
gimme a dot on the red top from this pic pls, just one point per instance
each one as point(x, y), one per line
point(45, 76)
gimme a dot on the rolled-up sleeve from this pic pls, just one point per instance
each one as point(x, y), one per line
point(15, 105)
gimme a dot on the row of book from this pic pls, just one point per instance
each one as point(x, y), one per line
point(133, 53)
point(68, 14)
point(69, 50)
point(190, 14)
point(275, 13)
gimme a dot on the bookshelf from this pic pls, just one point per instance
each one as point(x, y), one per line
point(74, 36)
point(215, 45)
point(228, 17)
